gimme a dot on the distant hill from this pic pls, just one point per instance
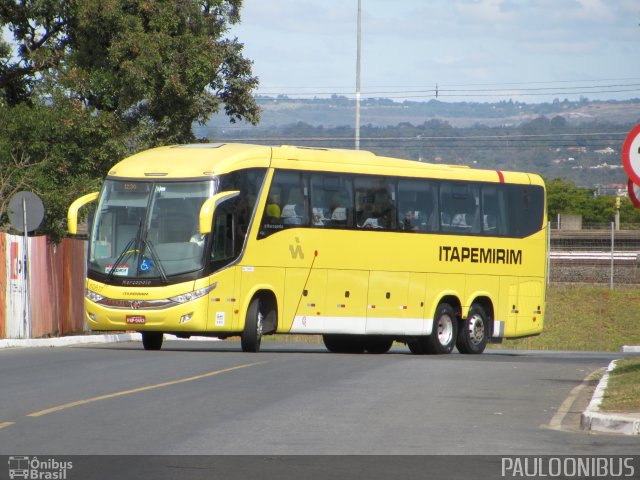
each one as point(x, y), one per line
point(339, 111)
point(579, 141)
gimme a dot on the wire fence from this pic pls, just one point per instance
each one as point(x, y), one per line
point(595, 254)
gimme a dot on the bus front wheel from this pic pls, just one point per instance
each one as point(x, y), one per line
point(152, 340)
point(474, 331)
point(252, 334)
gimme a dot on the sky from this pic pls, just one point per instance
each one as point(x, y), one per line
point(472, 50)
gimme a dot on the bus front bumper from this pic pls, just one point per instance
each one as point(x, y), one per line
point(187, 317)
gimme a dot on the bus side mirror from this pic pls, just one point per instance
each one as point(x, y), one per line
point(209, 206)
point(72, 214)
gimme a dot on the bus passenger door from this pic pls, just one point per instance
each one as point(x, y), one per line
point(225, 247)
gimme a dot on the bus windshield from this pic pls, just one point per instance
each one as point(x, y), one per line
point(146, 229)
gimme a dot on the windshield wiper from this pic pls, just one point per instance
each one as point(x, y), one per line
point(156, 259)
point(121, 257)
point(123, 253)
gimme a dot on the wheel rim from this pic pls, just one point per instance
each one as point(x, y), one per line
point(475, 326)
point(445, 330)
point(259, 324)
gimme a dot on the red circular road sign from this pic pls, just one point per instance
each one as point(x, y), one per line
point(634, 193)
point(631, 154)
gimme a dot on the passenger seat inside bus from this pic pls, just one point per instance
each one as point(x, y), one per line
point(292, 211)
point(340, 213)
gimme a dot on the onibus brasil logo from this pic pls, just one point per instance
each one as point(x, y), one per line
point(37, 469)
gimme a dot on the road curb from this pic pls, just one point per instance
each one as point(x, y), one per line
point(72, 340)
point(593, 419)
point(86, 339)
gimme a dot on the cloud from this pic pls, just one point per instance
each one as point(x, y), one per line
point(484, 10)
point(594, 10)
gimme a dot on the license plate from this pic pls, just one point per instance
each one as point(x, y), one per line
point(136, 319)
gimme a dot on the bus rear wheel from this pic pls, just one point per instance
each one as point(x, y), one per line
point(444, 332)
point(417, 346)
point(251, 336)
point(152, 340)
point(474, 331)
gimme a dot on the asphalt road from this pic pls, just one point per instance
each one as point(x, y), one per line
point(208, 398)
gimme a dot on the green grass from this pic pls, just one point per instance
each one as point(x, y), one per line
point(586, 318)
point(623, 389)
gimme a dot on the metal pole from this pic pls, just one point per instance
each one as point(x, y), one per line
point(548, 253)
point(27, 323)
point(359, 46)
point(613, 230)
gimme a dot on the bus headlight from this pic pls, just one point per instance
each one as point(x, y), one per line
point(187, 297)
point(93, 296)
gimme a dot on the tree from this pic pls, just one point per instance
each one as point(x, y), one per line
point(112, 77)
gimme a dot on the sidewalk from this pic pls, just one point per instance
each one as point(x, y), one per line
point(85, 339)
point(594, 420)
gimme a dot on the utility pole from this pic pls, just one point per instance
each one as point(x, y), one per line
point(359, 46)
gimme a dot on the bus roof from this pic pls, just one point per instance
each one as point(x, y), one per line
point(205, 160)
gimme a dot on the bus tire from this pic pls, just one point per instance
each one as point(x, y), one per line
point(377, 345)
point(445, 331)
point(417, 346)
point(343, 343)
point(251, 336)
point(474, 331)
point(152, 340)
point(332, 343)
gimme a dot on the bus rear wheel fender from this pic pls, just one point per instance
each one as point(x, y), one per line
point(474, 331)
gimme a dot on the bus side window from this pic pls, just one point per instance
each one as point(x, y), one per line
point(287, 203)
point(375, 202)
point(416, 206)
point(249, 182)
point(331, 201)
point(319, 205)
point(460, 207)
point(526, 209)
point(494, 210)
point(224, 248)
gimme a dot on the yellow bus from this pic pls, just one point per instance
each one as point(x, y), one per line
point(245, 240)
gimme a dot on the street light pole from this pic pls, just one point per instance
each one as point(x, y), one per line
point(359, 45)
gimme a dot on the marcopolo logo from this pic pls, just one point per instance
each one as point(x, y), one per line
point(38, 469)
